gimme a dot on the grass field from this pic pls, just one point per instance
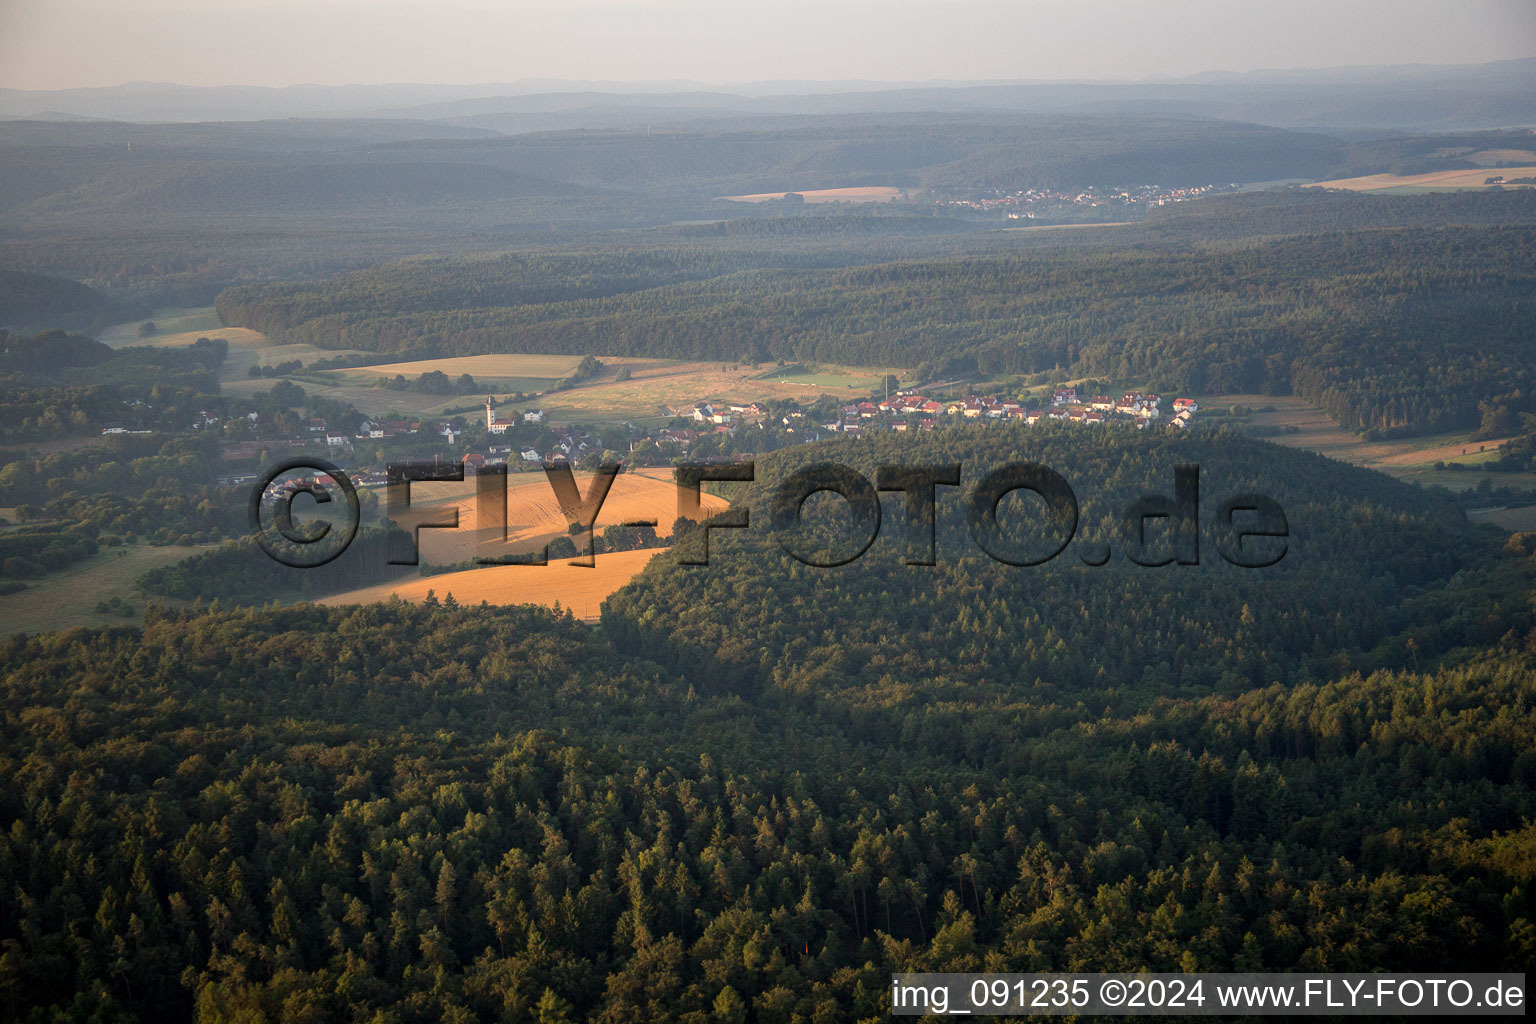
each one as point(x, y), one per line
point(246, 347)
point(1466, 481)
point(865, 380)
point(1515, 520)
point(534, 517)
point(500, 366)
point(1409, 458)
point(650, 394)
point(860, 194)
point(1435, 181)
point(582, 590)
point(68, 598)
point(654, 387)
point(1490, 157)
point(179, 320)
point(373, 401)
point(1075, 227)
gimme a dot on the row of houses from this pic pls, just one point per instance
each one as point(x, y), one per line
point(497, 424)
point(913, 411)
point(719, 413)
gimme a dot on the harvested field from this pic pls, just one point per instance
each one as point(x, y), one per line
point(1432, 181)
point(859, 194)
point(533, 514)
point(582, 590)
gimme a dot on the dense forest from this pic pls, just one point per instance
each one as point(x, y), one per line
point(756, 789)
point(36, 299)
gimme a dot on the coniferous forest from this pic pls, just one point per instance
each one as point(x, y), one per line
point(760, 787)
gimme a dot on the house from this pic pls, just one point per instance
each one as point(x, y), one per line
point(1185, 405)
point(473, 460)
point(529, 455)
point(449, 433)
point(679, 437)
point(334, 440)
point(392, 427)
point(702, 413)
point(367, 427)
point(1102, 403)
point(533, 416)
point(1064, 396)
point(114, 428)
point(316, 424)
point(748, 409)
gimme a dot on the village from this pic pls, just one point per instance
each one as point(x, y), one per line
point(709, 431)
point(1044, 203)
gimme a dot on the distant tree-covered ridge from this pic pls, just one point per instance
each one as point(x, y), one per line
point(47, 352)
point(36, 299)
point(1397, 330)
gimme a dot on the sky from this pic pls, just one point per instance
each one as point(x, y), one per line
point(58, 44)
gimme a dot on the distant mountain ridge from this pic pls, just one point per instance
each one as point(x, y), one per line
point(1496, 94)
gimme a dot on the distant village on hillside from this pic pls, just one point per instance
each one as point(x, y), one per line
point(734, 430)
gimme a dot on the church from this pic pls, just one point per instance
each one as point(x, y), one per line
point(493, 423)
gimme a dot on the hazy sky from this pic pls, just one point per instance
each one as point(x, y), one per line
point(66, 43)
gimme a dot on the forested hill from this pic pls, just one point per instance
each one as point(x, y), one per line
point(35, 299)
point(419, 173)
point(1403, 329)
point(1367, 558)
point(445, 813)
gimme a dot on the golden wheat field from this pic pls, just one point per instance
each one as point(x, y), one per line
point(655, 393)
point(1463, 179)
point(857, 194)
point(533, 514)
point(582, 590)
